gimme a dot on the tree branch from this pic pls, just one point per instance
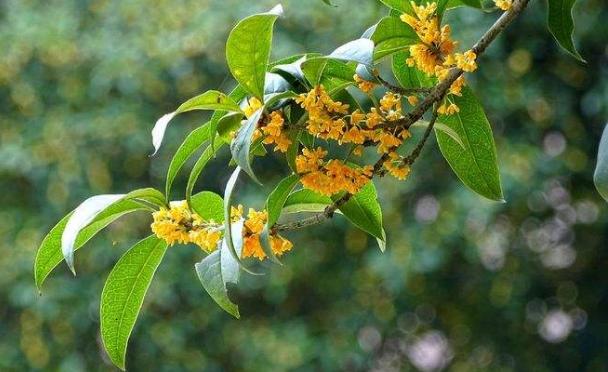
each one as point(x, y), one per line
point(435, 95)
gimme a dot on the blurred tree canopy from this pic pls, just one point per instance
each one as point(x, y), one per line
point(464, 283)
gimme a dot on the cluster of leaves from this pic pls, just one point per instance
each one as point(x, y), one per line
point(467, 145)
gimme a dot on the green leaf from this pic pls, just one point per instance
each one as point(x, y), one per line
point(305, 201)
point(88, 211)
point(149, 195)
point(403, 6)
point(278, 196)
point(442, 128)
point(293, 149)
point(241, 145)
point(359, 51)
point(476, 164)
point(197, 169)
point(408, 77)
point(83, 215)
point(237, 94)
point(208, 205)
point(228, 124)
point(600, 176)
point(229, 239)
point(391, 35)
point(49, 254)
point(210, 274)
point(363, 210)
point(248, 50)
point(229, 266)
point(211, 100)
point(275, 83)
point(191, 144)
point(561, 25)
point(274, 206)
point(328, 2)
point(124, 292)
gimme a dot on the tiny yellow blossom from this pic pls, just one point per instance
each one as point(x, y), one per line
point(365, 86)
point(504, 4)
point(253, 105)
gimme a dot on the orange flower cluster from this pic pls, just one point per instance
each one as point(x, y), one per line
point(273, 130)
point(396, 167)
point(329, 119)
point(271, 126)
point(180, 225)
point(435, 55)
point(253, 227)
point(331, 177)
point(364, 85)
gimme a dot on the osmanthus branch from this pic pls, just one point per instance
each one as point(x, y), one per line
point(435, 95)
point(400, 90)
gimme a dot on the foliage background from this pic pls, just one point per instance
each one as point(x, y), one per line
point(465, 283)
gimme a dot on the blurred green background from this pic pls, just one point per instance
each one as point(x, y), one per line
point(465, 284)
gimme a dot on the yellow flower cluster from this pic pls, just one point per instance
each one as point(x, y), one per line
point(331, 177)
point(253, 105)
point(365, 85)
point(435, 55)
point(271, 126)
point(396, 167)
point(325, 116)
point(329, 119)
point(504, 4)
point(180, 225)
point(253, 227)
point(273, 130)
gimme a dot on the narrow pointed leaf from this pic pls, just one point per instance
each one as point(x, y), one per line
point(210, 100)
point(561, 25)
point(277, 198)
point(401, 5)
point(408, 77)
point(208, 205)
point(442, 128)
point(191, 144)
point(363, 210)
point(228, 238)
point(248, 50)
point(84, 214)
point(360, 51)
point(293, 68)
point(275, 83)
point(123, 295)
point(210, 275)
point(237, 94)
point(305, 201)
point(230, 267)
point(149, 195)
point(197, 169)
point(476, 165)
point(49, 254)
point(241, 145)
point(600, 177)
point(391, 35)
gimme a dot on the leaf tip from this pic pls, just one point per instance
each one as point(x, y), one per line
point(277, 10)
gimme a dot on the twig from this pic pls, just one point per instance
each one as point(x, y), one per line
point(411, 158)
point(400, 90)
point(435, 95)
